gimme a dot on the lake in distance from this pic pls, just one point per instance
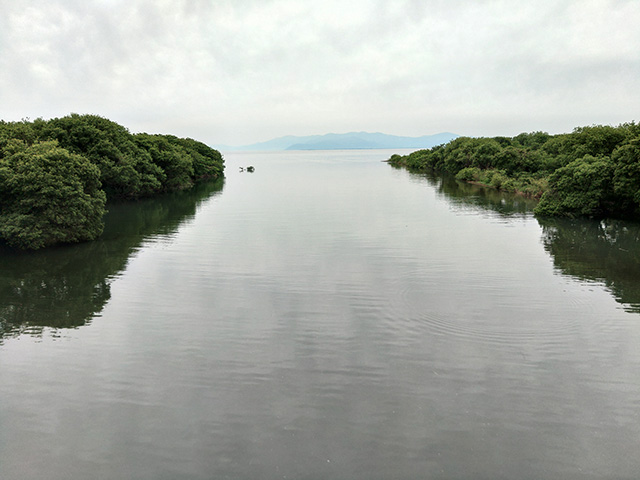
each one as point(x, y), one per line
point(324, 317)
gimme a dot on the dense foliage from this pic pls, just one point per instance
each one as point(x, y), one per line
point(593, 171)
point(48, 196)
point(55, 175)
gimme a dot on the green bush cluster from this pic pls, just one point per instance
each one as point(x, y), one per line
point(56, 175)
point(593, 171)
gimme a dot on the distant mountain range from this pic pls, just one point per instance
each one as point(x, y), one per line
point(346, 141)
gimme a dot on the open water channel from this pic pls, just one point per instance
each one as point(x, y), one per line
point(326, 316)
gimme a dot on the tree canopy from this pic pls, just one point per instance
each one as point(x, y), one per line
point(593, 171)
point(56, 175)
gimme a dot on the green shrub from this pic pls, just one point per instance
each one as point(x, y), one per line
point(582, 188)
point(48, 196)
point(468, 174)
point(498, 179)
point(626, 176)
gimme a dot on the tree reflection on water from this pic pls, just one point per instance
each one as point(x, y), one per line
point(66, 286)
point(603, 251)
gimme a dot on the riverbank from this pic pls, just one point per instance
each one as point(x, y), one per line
point(57, 175)
point(593, 171)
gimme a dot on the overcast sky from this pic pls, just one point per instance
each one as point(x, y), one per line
point(241, 71)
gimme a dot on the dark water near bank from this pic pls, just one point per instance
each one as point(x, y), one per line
point(326, 316)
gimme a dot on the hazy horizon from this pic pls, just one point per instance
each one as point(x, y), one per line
point(242, 72)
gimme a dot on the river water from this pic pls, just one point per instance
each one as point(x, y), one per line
point(326, 316)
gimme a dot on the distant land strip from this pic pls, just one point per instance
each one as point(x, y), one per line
point(345, 141)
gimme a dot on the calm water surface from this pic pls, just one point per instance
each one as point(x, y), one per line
point(326, 316)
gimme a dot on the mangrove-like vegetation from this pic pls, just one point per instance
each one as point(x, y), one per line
point(591, 172)
point(57, 175)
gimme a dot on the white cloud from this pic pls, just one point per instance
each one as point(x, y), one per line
point(245, 71)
